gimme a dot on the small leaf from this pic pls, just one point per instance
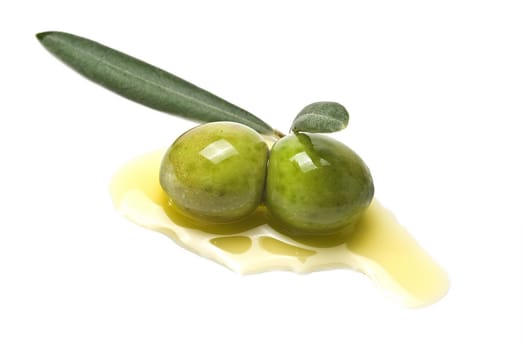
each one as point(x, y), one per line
point(321, 117)
point(144, 83)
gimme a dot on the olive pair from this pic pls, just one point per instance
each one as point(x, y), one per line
point(310, 183)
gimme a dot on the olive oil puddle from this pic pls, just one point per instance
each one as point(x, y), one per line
point(380, 247)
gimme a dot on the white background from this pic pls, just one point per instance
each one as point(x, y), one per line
point(435, 93)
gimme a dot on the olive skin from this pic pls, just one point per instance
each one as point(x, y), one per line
point(316, 185)
point(216, 171)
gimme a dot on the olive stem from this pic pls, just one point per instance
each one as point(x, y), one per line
point(279, 134)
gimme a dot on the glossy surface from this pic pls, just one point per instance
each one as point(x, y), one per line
point(379, 247)
point(216, 171)
point(316, 184)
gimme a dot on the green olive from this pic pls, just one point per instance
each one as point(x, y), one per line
point(316, 185)
point(216, 171)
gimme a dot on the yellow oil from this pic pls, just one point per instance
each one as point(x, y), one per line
point(379, 246)
point(233, 244)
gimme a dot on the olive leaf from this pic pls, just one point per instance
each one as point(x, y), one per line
point(144, 83)
point(321, 117)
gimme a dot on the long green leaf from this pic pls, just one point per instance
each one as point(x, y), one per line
point(144, 83)
point(321, 117)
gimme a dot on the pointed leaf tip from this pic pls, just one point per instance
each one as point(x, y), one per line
point(41, 36)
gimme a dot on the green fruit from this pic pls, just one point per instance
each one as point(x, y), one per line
point(316, 185)
point(216, 171)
